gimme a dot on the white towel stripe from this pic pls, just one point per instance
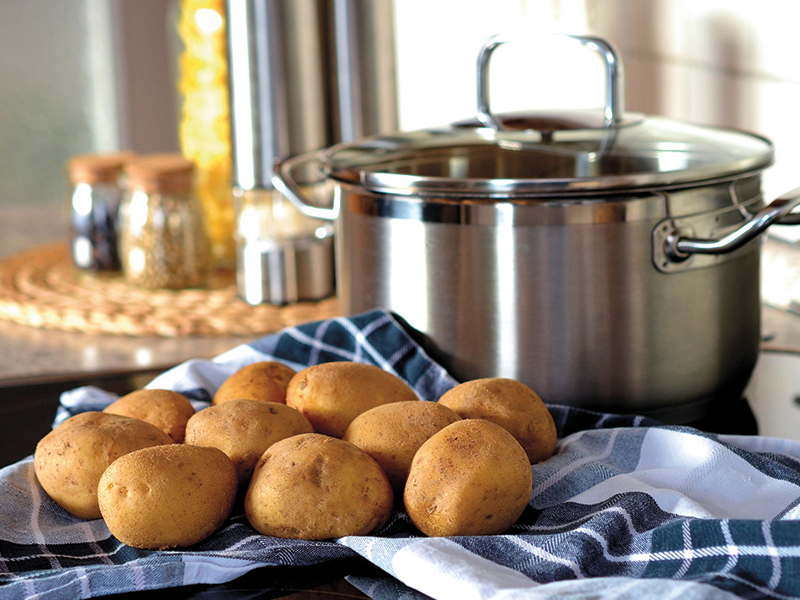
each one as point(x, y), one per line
point(575, 465)
point(36, 497)
point(773, 552)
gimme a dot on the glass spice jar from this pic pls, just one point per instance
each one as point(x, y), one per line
point(164, 242)
point(94, 200)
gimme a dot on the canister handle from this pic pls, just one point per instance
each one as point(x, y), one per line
point(678, 249)
point(614, 109)
point(286, 184)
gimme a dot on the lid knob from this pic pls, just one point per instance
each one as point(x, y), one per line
point(613, 111)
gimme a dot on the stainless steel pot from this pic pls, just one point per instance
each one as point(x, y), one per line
point(608, 260)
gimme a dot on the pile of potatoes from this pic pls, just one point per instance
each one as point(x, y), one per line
point(322, 453)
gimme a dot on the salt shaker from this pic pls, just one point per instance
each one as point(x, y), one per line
point(164, 242)
point(95, 197)
point(282, 255)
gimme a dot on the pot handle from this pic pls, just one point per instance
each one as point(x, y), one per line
point(613, 111)
point(283, 180)
point(678, 249)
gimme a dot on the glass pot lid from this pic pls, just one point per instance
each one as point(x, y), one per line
point(572, 152)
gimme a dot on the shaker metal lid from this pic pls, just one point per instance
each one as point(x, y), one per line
point(652, 153)
point(568, 152)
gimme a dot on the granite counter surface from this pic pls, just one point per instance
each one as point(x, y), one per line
point(29, 355)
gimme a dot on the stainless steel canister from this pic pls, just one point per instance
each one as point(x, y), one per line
point(364, 79)
point(304, 74)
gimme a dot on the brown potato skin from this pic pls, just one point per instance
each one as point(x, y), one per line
point(471, 478)
point(331, 395)
point(264, 380)
point(70, 460)
point(244, 429)
point(316, 487)
point(167, 410)
point(167, 496)
point(512, 405)
point(392, 434)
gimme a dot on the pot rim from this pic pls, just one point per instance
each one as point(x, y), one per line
point(482, 162)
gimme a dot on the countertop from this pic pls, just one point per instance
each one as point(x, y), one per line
point(38, 356)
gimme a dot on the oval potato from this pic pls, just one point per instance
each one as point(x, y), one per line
point(512, 405)
point(316, 487)
point(166, 409)
point(331, 395)
point(70, 460)
point(392, 434)
point(471, 478)
point(244, 429)
point(167, 496)
point(264, 380)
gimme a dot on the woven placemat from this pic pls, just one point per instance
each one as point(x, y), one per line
point(42, 288)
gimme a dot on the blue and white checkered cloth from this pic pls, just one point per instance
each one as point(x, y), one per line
point(627, 508)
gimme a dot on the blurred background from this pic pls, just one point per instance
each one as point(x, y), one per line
point(78, 76)
point(95, 75)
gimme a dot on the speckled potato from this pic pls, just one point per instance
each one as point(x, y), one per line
point(167, 496)
point(392, 434)
point(512, 405)
point(331, 395)
point(265, 380)
point(70, 460)
point(316, 487)
point(471, 478)
point(244, 429)
point(167, 410)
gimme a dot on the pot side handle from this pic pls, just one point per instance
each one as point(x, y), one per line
point(284, 181)
point(678, 249)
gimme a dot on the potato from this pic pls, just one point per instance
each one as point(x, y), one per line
point(512, 405)
point(244, 429)
point(471, 478)
point(315, 487)
point(70, 460)
point(264, 380)
point(167, 496)
point(167, 410)
point(331, 395)
point(392, 434)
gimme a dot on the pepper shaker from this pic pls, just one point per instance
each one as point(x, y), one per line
point(164, 242)
point(94, 199)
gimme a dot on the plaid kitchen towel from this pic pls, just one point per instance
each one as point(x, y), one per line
point(627, 508)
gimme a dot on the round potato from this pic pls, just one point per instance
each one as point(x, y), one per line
point(167, 496)
point(392, 434)
point(244, 429)
point(70, 460)
point(315, 487)
point(265, 380)
point(167, 410)
point(471, 478)
point(512, 405)
point(331, 395)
